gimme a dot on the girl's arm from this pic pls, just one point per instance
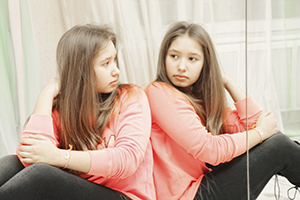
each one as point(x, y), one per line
point(175, 115)
point(236, 93)
point(45, 99)
point(132, 126)
point(38, 143)
point(39, 149)
point(132, 138)
point(266, 123)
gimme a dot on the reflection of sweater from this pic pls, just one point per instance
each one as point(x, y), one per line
point(126, 167)
point(181, 144)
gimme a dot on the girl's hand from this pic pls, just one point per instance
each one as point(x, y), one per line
point(45, 100)
point(52, 88)
point(39, 149)
point(225, 81)
point(233, 89)
point(267, 124)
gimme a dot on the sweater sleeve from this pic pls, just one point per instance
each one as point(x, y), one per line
point(131, 126)
point(39, 125)
point(176, 117)
point(236, 120)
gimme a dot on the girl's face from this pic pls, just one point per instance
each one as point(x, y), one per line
point(184, 61)
point(107, 72)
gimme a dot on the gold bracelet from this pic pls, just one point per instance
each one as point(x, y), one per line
point(68, 156)
point(260, 134)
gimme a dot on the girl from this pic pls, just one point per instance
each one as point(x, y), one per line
point(97, 130)
point(199, 143)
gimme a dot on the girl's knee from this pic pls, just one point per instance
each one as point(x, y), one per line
point(9, 158)
point(282, 143)
point(10, 162)
point(279, 139)
point(40, 168)
point(36, 170)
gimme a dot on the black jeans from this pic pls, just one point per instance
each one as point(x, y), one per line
point(276, 155)
point(41, 181)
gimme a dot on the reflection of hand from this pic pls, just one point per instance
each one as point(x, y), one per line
point(233, 89)
point(225, 80)
point(267, 124)
point(38, 149)
point(45, 100)
point(52, 88)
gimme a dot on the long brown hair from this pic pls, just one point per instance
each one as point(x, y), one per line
point(207, 94)
point(83, 112)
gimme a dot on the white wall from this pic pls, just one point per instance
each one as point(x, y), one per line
point(48, 25)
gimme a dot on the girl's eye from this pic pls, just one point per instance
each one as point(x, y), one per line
point(192, 59)
point(110, 61)
point(174, 56)
point(105, 64)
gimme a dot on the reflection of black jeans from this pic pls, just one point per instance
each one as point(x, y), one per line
point(41, 181)
point(276, 155)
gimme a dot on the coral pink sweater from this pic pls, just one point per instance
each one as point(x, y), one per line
point(182, 145)
point(125, 167)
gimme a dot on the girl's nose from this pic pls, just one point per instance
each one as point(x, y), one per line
point(115, 71)
point(182, 65)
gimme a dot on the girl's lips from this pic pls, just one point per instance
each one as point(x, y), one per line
point(180, 77)
point(114, 82)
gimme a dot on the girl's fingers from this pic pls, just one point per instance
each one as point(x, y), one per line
point(27, 141)
point(32, 139)
point(25, 148)
point(38, 137)
point(24, 155)
point(26, 160)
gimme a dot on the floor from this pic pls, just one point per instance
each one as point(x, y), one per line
point(270, 192)
point(281, 192)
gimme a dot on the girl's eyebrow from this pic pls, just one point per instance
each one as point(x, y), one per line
point(105, 59)
point(108, 58)
point(173, 50)
point(196, 54)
